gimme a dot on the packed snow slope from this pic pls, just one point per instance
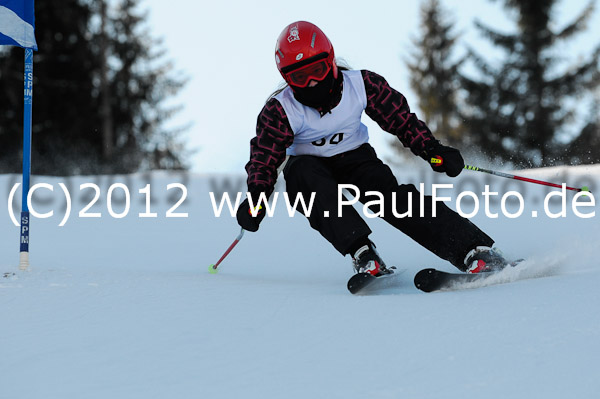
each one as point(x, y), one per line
point(125, 307)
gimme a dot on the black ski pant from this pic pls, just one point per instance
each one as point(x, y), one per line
point(448, 235)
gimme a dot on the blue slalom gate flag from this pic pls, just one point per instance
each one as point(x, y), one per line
point(17, 28)
point(17, 23)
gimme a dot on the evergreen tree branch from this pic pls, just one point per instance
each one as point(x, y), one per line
point(579, 24)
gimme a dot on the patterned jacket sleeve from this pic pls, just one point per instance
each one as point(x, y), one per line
point(267, 150)
point(390, 110)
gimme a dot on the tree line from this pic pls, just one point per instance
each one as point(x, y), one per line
point(101, 82)
point(100, 85)
point(537, 106)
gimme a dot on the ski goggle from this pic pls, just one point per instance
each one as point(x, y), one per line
point(317, 70)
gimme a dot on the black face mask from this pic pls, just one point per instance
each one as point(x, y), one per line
point(322, 95)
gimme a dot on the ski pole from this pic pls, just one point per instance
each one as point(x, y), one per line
point(509, 176)
point(213, 268)
point(525, 179)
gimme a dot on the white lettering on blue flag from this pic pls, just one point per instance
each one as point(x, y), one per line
point(17, 23)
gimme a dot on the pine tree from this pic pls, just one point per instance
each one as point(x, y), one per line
point(139, 84)
point(519, 109)
point(63, 106)
point(99, 88)
point(434, 73)
point(585, 148)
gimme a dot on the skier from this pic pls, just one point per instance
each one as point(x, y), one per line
point(316, 120)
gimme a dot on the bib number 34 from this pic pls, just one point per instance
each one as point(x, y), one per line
point(335, 139)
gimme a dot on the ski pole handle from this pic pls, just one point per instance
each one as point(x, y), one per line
point(213, 268)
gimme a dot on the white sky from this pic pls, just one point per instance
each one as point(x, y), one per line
point(226, 50)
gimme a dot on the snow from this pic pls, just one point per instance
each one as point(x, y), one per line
point(126, 308)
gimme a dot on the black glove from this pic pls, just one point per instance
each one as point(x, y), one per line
point(245, 218)
point(444, 159)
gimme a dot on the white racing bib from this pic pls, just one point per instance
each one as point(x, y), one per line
point(334, 133)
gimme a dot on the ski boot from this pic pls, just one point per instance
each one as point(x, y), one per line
point(485, 259)
point(367, 260)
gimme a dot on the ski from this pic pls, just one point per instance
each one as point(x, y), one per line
point(429, 280)
point(362, 283)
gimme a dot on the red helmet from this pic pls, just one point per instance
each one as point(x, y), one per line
point(303, 53)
